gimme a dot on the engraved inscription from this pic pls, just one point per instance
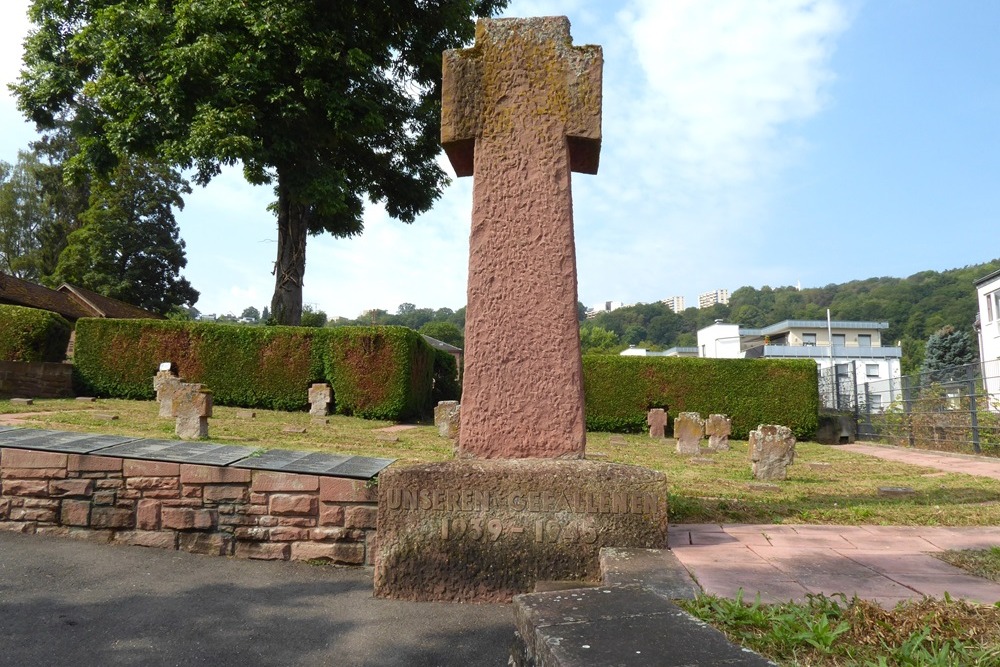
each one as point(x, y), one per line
point(534, 501)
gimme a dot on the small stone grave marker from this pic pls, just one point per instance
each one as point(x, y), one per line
point(293, 429)
point(895, 491)
point(819, 465)
point(22, 401)
point(86, 399)
point(701, 460)
point(165, 383)
point(718, 428)
point(657, 420)
point(246, 414)
point(105, 416)
point(319, 399)
point(689, 428)
point(192, 406)
point(772, 450)
point(617, 440)
point(319, 421)
point(447, 418)
point(387, 437)
point(596, 455)
point(762, 486)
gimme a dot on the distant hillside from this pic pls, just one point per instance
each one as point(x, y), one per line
point(914, 307)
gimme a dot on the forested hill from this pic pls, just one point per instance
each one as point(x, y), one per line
point(914, 307)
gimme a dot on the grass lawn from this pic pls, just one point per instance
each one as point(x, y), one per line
point(825, 485)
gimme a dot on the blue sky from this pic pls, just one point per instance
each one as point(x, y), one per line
point(745, 143)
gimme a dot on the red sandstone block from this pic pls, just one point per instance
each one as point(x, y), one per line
point(331, 534)
point(33, 473)
point(85, 462)
point(53, 531)
point(210, 544)
point(264, 480)
point(299, 521)
point(236, 520)
point(40, 503)
point(27, 458)
point(267, 521)
point(33, 514)
point(284, 504)
point(109, 484)
point(71, 487)
point(258, 498)
point(17, 527)
point(257, 510)
point(331, 515)
point(4, 508)
point(105, 497)
point(152, 483)
point(165, 493)
point(182, 502)
point(371, 548)
point(289, 534)
point(224, 493)
point(185, 518)
point(191, 491)
point(195, 474)
point(127, 504)
point(147, 515)
point(159, 539)
point(25, 487)
point(343, 553)
point(252, 534)
point(360, 516)
point(262, 550)
point(341, 490)
point(151, 469)
point(75, 513)
point(111, 517)
point(131, 494)
point(88, 535)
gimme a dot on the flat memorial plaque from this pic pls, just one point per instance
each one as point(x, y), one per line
point(286, 460)
point(180, 452)
point(361, 467)
point(12, 437)
point(71, 443)
point(10, 428)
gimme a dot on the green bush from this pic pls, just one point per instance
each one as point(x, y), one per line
point(447, 385)
point(620, 391)
point(30, 334)
point(375, 372)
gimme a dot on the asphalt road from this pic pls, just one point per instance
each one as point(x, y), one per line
point(67, 602)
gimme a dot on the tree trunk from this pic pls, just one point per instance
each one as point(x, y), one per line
point(290, 266)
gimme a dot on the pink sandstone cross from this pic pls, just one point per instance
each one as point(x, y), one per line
point(520, 110)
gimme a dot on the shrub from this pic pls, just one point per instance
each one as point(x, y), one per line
point(375, 372)
point(447, 385)
point(621, 390)
point(30, 334)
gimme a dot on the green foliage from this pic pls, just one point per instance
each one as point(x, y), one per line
point(29, 334)
point(447, 385)
point(22, 217)
point(312, 317)
point(947, 350)
point(377, 372)
point(128, 247)
point(332, 106)
point(380, 372)
point(444, 331)
point(620, 391)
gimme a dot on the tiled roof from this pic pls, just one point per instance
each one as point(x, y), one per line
point(105, 306)
point(17, 292)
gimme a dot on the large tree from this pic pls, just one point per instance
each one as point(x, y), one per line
point(331, 102)
point(128, 246)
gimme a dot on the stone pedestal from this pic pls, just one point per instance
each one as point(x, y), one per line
point(486, 530)
point(689, 429)
point(165, 383)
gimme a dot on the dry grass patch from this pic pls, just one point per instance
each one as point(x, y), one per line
point(983, 563)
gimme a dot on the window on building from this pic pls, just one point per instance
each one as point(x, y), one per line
point(864, 340)
point(989, 307)
point(875, 402)
point(840, 339)
point(809, 339)
point(842, 370)
point(871, 370)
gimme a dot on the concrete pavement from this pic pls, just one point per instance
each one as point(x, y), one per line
point(66, 602)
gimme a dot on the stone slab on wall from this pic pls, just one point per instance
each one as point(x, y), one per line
point(36, 379)
point(211, 510)
point(486, 530)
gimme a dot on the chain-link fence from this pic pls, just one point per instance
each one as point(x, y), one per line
point(956, 409)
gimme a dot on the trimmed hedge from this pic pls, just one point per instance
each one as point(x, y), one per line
point(375, 372)
point(30, 334)
point(621, 390)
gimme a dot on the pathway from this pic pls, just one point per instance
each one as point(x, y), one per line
point(981, 466)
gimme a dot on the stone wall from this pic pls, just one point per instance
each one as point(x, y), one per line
point(35, 379)
point(219, 511)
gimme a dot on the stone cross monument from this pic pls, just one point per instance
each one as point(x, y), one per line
point(520, 110)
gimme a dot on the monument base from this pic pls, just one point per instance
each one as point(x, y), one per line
point(486, 530)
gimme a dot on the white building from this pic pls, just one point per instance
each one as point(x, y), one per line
point(988, 326)
point(709, 299)
point(674, 303)
point(604, 307)
point(840, 345)
point(634, 351)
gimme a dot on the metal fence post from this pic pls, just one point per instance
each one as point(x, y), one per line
point(972, 408)
point(908, 407)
